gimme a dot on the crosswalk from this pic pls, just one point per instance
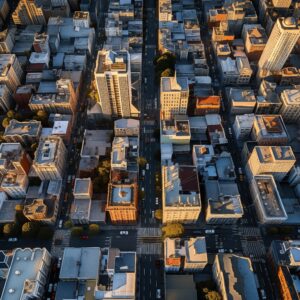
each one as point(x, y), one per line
point(255, 250)
point(149, 232)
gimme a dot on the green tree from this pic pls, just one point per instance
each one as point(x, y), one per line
point(142, 161)
point(76, 231)
point(42, 114)
point(19, 207)
point(94, 229)
point(68, 224)
point(173, 230)
point(11, 114)
point(5, 122)
point(11, 229)
point(213, 295)
point(45, 233)
point(158, 214)
point(30, 229)
point(104, 166)
point(33, 147)
point(167, 73)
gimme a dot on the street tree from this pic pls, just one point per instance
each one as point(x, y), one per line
point(142, 161)
point(30, 229)
point(173, 230)
point(94, 229)
point(158, 214)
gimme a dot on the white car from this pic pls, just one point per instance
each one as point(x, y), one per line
point(124, 232)
point(158, 295)
point(147, 166)
point(209, 231)
point(50, 286)
point(59, 262)
point(60, 224)
point(156, 200)
point(240, 171)
point(13, 239)
point(221, 250)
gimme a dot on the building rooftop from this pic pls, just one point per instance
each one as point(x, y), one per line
point(80, 263)
point(241, 95)
point(238, 277)
point(23, 272)
point(47, 150)
point(80, 209)
point(245, 121)
point(268, 196)
point(60, 127)
point(291, 97)
point(30, 128)
point(172, 84)
point(122, 194)
point(176, 127)
point(270, 154)
point(225, 166)
point(110, 61)
point(82, 186)
point(127, 123)
point(6, 61)
point(81, 15)
point(10, 152)
point(39, 209)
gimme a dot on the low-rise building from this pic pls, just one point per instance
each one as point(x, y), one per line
point(242, 101)
point(50, 158)
point(290, 109)
point(181, 199)
point(26, 133)
point(185, 255)
point(122, 202)
point(202, 155)
point(267, 105)
point(6, 102)
point(127, 127)
point(267, 200)
point(27, 274)
point(15, 185)
point(223, 202)
point(234, 277)
point(269, 130)
point(207, 105)
point(176, 131)
point(274, 160)
point(83, 188)
point(225, 167)
point(41, 210)
point(242, 126)
point(62, 129)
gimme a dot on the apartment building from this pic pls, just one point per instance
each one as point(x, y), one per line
point(25, 133)
point(242, 101)
point(113, 82)
point(15, 185)
point(27, 274)
point(50, 158)
point(290, 109)
point(269, 130)
point(174, 96)
point(231, 268)
point(181, 194)
point(207, 105)
point(6, 41)
point(267, 200)
point(202, 156)
point(274, 160)
point(242, 126)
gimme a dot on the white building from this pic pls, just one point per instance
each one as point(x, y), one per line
point(267, 200)
point(281, 42)
point(50, 158)
point(27, 275)
point(202, 155)
point(290, 109)
point(15, 185)
point(274, 160)
point(113, 81)
point(242, 126)
point(83, 188)
point(174, 96)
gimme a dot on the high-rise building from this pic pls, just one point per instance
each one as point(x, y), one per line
point(290, 109)
point(174, 96)
point(50, 158)
point(113, 82)
point(6, 41)
point(41, 43)
point(10, 71)
point(29, 12)
point(281, 42)
point(181, 199)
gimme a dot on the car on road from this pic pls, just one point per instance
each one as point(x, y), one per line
point(209, 231)
point(143, 172)
point(158, 294)
point(147, 166)
point(124, 232)
point(59, 262)
point(221, 250)
point(50, 287)
point(13, 239)
point(60, 224)
point(230, 131)
point(240, 171)
point(55, 287)
point(156, 200)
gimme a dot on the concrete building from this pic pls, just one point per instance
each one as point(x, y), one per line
point(224, 204)
point(50, 158)
point(255, 39)
point(29, 12)
point(10, 71)
point(127, 127)
point(207, 105)
point(185, 255)
point(202, 156)
point(165, 11)
point(269, 130)
point(13, 158)
point(83, 188)
point(6, 41)
point(28, 274)
point(234, 277)
point(14, 185)
point(290, 109)
point(6, 102)
point(242, 101)
point(41, 43)
point(242, 126)
point(174, 96)
point(267, 200)
point(282, 3)
point(113, 82)
point(267, 105)
point(274, 160)
point(41, 210)
point(25, 133)
point(181, 201)
point(122, 203)
point(280, 44)
point(81, 19)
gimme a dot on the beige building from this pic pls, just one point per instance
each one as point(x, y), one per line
point(181, 201)
point(10, 71)
point(6, 101)
point(113, 82)
point(174, 96)
point(274, 160)
point(15, 185)
point(29, 12)
point(50, 158)
point(193, 251)
point(165, 10)
point(290, 109)
point(42, 210)
point(6, 41)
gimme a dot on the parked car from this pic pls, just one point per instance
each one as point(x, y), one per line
point(13, 239)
